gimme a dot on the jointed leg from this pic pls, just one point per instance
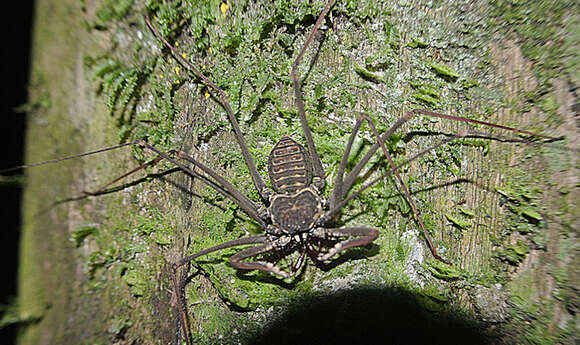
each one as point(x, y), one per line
point(351, 177)
point(318, 171)
point(179, 282)
point(362, 236)
point(239, 242)
point(235, 195)
point(235, 260)
point(221, 95)
point(339, 192)
point(407, 194)
point(380, 142)
point(332, 212)
point(213, 180)
point(218, 183)
point(269, 267)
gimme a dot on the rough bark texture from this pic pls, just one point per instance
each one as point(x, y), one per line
point(93, 269)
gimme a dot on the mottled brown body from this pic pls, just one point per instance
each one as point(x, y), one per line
point(296, 205)
point(289, 166)
point(297, 212)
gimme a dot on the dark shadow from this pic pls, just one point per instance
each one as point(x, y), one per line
point(371, 316)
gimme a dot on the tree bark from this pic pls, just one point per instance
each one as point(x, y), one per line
point(93, 269)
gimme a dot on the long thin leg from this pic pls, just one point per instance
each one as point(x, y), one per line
point(178, 290)
point(235, 261)
point(226, 188)
point(407, 194)
point(362, 236)
point(178, 286)
point(235, 195)
point(70, 157)
point(218, 183)
point(338, 192)
point(221, 95)
point(328, 215)
point(318, 171)
point(239, 242)
point(351, 177)
point(489, 124)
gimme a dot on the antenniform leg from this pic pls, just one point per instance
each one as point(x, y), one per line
point(351, 177)
point(221, 95)
point(318, 171)
point(342, 186)
point(210, 178)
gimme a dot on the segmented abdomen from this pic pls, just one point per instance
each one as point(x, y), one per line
point(289, 166)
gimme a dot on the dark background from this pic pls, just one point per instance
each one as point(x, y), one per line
point(16, 31)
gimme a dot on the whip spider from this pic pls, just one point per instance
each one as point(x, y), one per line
point(300, 214)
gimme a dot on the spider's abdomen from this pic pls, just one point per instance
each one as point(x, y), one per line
point(296, 212)
point(289, 167)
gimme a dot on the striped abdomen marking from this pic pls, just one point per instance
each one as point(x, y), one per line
point(289, 166)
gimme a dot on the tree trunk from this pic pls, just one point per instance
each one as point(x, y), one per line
point(93, 269)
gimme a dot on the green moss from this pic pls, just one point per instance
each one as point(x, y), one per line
point(112, 10)
point(426, 94)
point(549, 105)
point(538, 26)
point(416, 43)
point(442, 270)
point(119, 325)
point(469, 83)
point(368, 75)
point(11, 315)
point(466, 211)
point(515, 253)
point(444, 71)
point(523, 293)
point(137, 281)
point(508, 193)
point(244, 290)
point(531, 214)
point(80, 234)
point(568, 333)
point(432, 301)
point(472, 142)
point(458, 222)
point(117, 81)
